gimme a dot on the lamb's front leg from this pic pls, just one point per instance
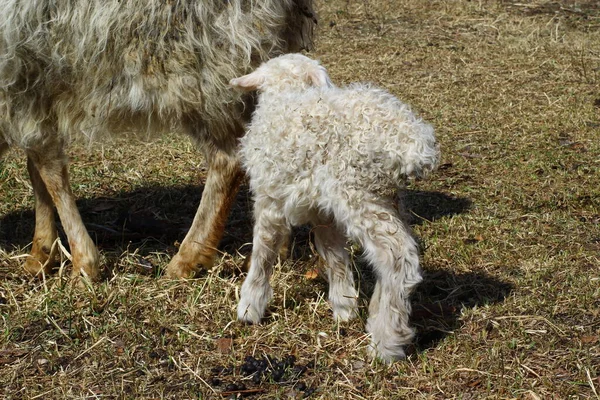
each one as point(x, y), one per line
point(270, 230)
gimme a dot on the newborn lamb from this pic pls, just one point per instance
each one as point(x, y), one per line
point(334, 157)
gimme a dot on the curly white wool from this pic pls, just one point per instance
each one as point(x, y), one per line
point(334, 157)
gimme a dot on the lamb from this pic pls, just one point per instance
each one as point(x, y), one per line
point(83, 68)
point(333, 157)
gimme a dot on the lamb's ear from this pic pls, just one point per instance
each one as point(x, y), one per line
point(318, 76)
point(248, 82)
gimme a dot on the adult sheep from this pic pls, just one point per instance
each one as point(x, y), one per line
point(88, 67)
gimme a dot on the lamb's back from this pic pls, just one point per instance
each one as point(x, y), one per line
point(333, 139)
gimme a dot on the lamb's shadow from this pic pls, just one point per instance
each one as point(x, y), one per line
point(423, 206)
point(439, 300)
point(441, 297)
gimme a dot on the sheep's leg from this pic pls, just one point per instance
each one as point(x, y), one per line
point(393, 252)
point(43, 253)
point(270, 230)
point(53, 171)
point(330, 243)
point(198, 249)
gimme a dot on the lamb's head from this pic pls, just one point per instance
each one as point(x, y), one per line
point(290, 71)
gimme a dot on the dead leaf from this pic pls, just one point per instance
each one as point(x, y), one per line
point(578, 146)
point(533, 396)
point(475, 383)
point(473, 239)
point(13, 353)
point(312, 274)
point(119, 346)
point(8, 356)
point(589, 339)
point(224, 345)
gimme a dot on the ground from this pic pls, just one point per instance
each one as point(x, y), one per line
point(509, 228)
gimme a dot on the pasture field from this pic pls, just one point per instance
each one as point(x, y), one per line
point(509, 228)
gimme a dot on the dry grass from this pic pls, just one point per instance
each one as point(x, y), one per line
point(509, 225)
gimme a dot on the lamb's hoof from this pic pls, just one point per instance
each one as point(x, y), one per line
point(344, 314)
point(178, 268)
point(248, 313)
point(386, 355)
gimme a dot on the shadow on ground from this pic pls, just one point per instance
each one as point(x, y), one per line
point(441, 297)
point(155, 218)
point(158, 217)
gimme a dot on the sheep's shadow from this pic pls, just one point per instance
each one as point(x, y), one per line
point(155, 218)
point(148, 219)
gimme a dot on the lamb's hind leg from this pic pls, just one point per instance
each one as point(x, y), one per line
point(393, 252)
point(52, 168)
point(270, 230)
point(42, 256)
point(331, 245)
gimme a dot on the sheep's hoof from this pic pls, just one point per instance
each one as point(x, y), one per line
point(90, 274)
point(86, 267)
point(38, 266)
point(178, 268)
